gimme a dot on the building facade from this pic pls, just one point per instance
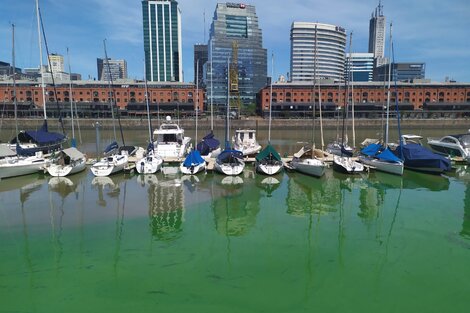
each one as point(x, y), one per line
point(360, 66)
point(200, 59)
point(401, 72)
point(317, 51)
point(235, 38)
point(377, 35)
point(162, 40)
point(117, 69)
point(56, 63)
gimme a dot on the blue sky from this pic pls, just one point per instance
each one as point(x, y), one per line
point(433, 31)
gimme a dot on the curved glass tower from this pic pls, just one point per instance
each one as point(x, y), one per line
point(326, 42)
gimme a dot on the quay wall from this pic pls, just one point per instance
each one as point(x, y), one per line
point(253, 123)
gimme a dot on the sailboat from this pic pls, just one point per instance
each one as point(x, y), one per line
point(229, 162)
point(152, 162)
point(70, 160)
point(194, 163)
point(209, 146)
point(377, 156)
point(268, 161)
point(113, 161)
point(344, 162)
point(12, 163)
point(305, 160)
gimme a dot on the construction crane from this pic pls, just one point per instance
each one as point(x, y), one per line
point(234, 90)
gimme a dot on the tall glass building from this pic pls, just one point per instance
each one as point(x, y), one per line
point(235, 29)
point(162, 40)
point(317, 51)
point(360, 65)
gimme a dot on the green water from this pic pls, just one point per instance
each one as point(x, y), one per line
point(373, 243)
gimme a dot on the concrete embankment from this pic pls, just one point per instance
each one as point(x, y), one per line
point(254, 123)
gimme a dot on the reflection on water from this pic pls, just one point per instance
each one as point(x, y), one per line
point(235, 205)
point(166, 209)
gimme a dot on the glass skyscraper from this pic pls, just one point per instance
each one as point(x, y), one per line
point(360, 65)
point(162, 40)
point(235, 29)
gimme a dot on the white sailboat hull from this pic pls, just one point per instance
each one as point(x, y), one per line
point(58, 170)
point(109, 165)
point(383, 166)
point(248, 150)
point(312, 167)
point(230, 169)
point(149, 164)
point(269, 168)
point(347, 165)
point(13, 167)
point(192, 170)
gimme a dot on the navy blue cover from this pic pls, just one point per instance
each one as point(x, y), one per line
point(346, 152)
point(193, 158)
point(150, 147)
point(227, 155)
point(208, 144)
point(112, 146)
point(417, 156)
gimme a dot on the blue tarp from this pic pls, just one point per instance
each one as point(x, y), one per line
point(372, 149)
point(208, 144)
point(387, 155)
point(227, 155)
point(417, 156)
point(43, 138)
point(111, 147)
point(193, 158)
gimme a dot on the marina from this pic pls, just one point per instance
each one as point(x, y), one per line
point(247, 243)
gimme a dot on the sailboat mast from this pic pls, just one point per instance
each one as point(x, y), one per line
point(227, 124)
point(352, 89)
point(270, 98)
point(313, 92)
point(212, 106)
point(40, 62)
point(71, 98)
point(147, 103)
point(14, 79)
point(197, 95)
point(388, 88)
point(109, 88)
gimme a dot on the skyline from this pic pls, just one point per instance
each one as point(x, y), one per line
point(439, 42)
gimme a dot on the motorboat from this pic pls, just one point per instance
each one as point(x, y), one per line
point(452, 145)
point(306, 163)
point(19, 166)
point(169, 140)
point(245, 141)
point(417, 157)
point(67, 162)
point(268, 161)
point(193, 164)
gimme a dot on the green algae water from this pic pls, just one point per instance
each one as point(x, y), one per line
point(210, 243)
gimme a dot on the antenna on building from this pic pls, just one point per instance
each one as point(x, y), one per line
point(204, 14)
point(380, 7)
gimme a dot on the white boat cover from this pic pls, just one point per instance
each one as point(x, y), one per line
point(73, 153)
point(6, 151)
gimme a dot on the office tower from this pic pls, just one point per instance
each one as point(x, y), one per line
point(117, 68)
point(56, 63)
point(361, 65)
point(235, 37)
point(326, 42)
point(162, 40)
point(377, 36)
point(401, 71)
point(200, 54)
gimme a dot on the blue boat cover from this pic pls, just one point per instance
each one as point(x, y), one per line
point(387, 155)
point(208, 144)
point(150, 147)
point(112, 146)
point(193, 158)
point(43, 138)
point(227, 155)
point(372, 149)
point(417, 156)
